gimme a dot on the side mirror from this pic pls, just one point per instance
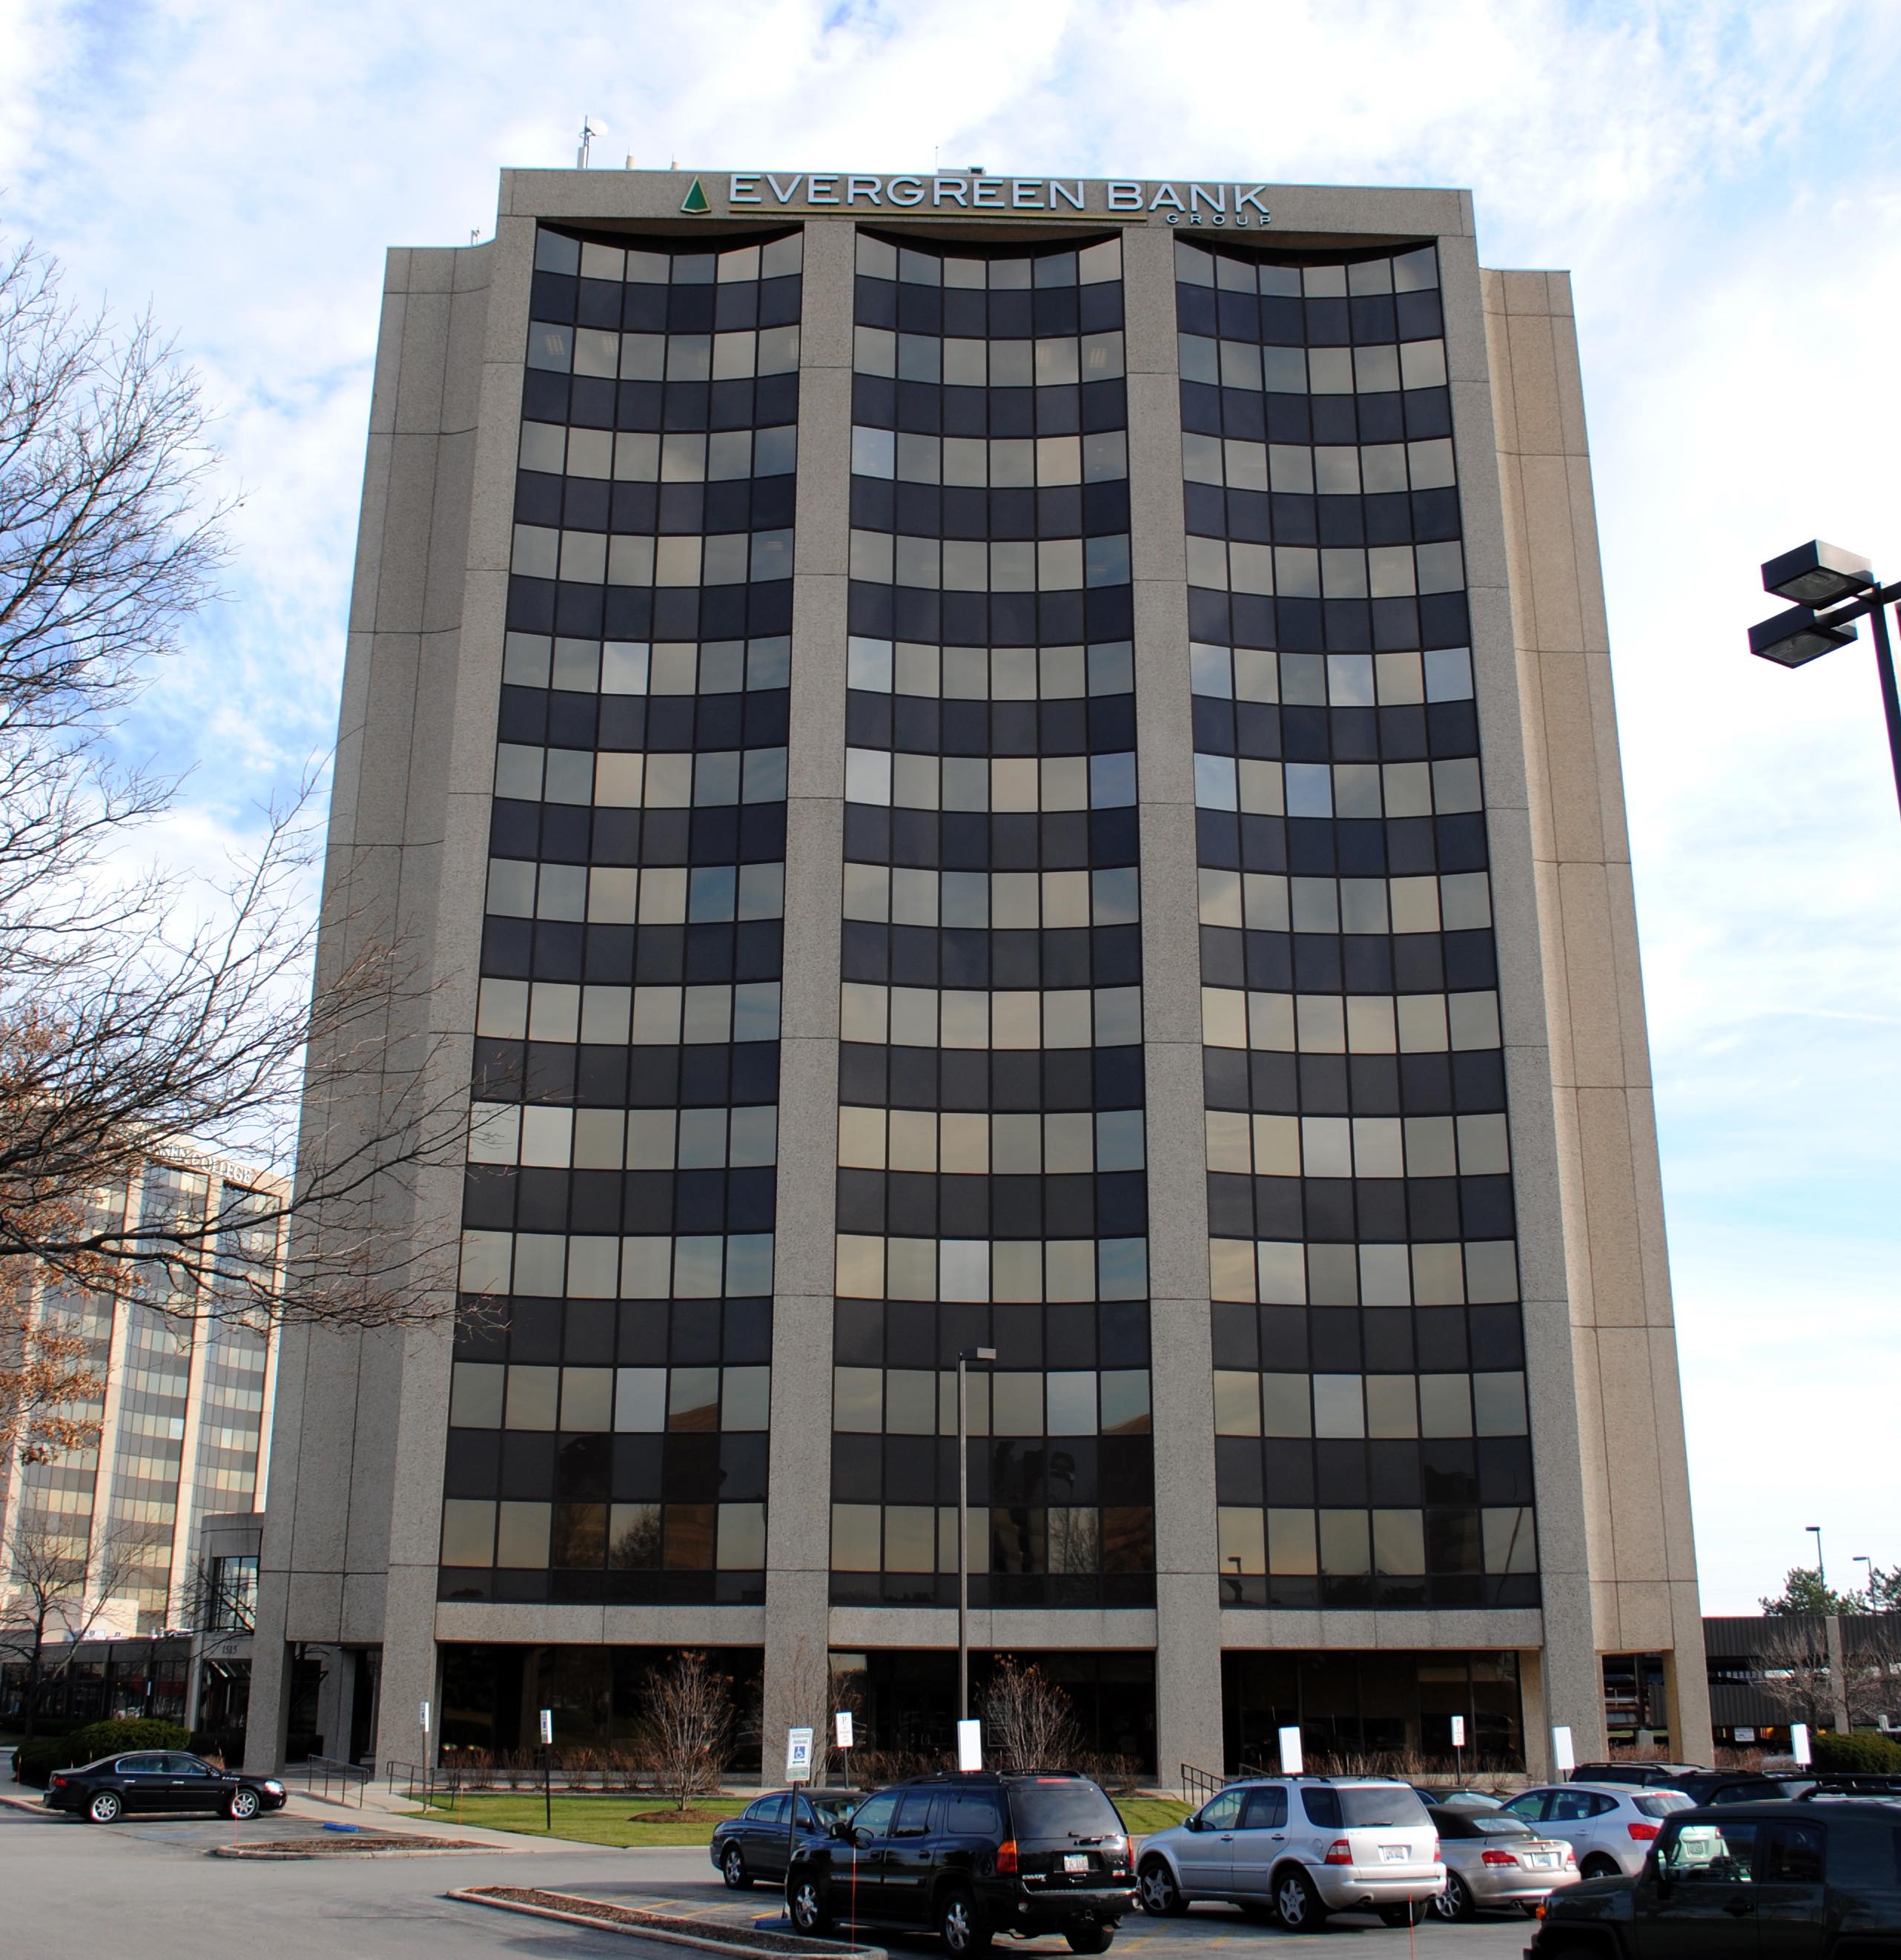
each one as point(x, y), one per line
point(861, 1838)
point(841, 1828)
point(1194, 1822)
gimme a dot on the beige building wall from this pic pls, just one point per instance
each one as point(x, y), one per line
point(1641, 1549)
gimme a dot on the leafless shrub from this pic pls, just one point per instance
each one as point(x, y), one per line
point(1029, 1723)
point(687, 1711)
point(52, 1594)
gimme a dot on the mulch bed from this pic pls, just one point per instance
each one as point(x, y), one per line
point(344, 1844)
point(680, 1817)
point(632, 1919)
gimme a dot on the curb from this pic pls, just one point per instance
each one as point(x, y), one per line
point(667, 1935)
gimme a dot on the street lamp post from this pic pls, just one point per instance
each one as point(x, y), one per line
point(1821, 1570)
point(1864, 1558)
point(964, 1357)
point(1832, 588)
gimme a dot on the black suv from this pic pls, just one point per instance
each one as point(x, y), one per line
point(1785, 1881)
point(970, 1855)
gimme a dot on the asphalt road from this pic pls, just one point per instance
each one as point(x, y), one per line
point(147, 1884)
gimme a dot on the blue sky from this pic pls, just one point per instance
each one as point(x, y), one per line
point(1722, 180)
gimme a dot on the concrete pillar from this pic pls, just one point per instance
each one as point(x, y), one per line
point(799, 1511)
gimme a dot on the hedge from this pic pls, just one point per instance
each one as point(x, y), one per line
point(1862, 1753)
point(34, 1762)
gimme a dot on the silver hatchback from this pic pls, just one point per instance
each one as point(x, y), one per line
point(1495, 1862)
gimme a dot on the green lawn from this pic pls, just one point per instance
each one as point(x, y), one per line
point(590, 1820)
point(609, 1819)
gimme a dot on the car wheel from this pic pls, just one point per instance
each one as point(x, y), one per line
point(1089, 1939)
point(1598, 1866)
point(1455, 1902)
point(810, 1914)
point(1410, 1913)
point(733, 1869)
point(1297, 1904)
point(1156, 1892)
point(960, 1926)
point(242, 1805)
point(106, 1807)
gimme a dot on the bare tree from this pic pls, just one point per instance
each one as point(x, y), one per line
point(1029, 1723)
point(687, 1717)
point(51, 1595)
point(144, 1014)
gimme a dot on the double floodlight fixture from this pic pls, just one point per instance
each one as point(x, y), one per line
point(1814, 574)
point(1830, 589)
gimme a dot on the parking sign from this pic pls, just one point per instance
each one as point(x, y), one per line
point(798, 1755)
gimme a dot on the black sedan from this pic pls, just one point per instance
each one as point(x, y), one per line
point(753, 1845)
point(154, 1780)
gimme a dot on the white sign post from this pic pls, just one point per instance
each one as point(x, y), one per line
point(1458, 1746)
point(970, 1744)
point(423, 1718)
point(548, 1728)
point(547, 1770)
point(841, 1728)
point(1798, 1742)
point(1292, 1762)
point(1563, 1757)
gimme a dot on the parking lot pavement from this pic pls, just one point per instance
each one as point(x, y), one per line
point(73, 1887)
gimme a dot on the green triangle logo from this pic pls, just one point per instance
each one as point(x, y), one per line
point(696, 200)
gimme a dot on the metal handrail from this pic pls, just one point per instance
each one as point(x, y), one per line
point(1197, 1785)
point(345, 1775)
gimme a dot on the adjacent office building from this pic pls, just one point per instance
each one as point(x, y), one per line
point(996, 763)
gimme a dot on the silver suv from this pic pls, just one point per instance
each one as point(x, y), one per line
point(1300, 1847)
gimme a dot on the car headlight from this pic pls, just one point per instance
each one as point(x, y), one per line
point(275, 1788)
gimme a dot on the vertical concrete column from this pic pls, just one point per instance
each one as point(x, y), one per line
point(1188, 1726)
point(798, 1501)
point(1624, 1398)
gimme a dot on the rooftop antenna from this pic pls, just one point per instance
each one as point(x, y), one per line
point(590, 130)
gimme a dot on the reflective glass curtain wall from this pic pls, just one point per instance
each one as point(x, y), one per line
point(1372, 1432)
point(608, 1437)
point(991, 1184)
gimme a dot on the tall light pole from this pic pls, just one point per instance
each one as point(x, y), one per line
point(1863, 1558)
point(1843, 585)
point(965, 1356)
point(1821, 1570)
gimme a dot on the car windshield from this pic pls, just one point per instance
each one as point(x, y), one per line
point(1661, 1802)
point(1491, 1824)
point(830, 1809)
point(1380, 1804)
point(1063, 1809)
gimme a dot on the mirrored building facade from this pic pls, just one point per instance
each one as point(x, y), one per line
point(997, 765)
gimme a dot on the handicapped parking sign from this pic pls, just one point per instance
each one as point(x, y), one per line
point(798, 1755)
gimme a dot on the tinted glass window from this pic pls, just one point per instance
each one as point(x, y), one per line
point(139, 1765)
point(971, 1813)
point(1450, 1823)
point(1222, 1812)
point(1062, 1810)
point(1709, 1854)
point(1322, 1807)
point(914, 1815)
point(874, 1814)
point(1264, 1810)
point(1369, 1805)
point(1531, 1806)
point(770, 1809)
point(1793, 1854)
point(823, 1810)
point(1657, 1803)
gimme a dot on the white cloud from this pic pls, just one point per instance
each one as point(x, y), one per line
point(1718, 177)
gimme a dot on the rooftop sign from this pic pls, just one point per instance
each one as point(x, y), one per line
point(969, 195)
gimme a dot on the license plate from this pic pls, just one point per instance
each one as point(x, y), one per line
point(1540, 1859)
point(1396, 1854)
point(1075, 1861)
